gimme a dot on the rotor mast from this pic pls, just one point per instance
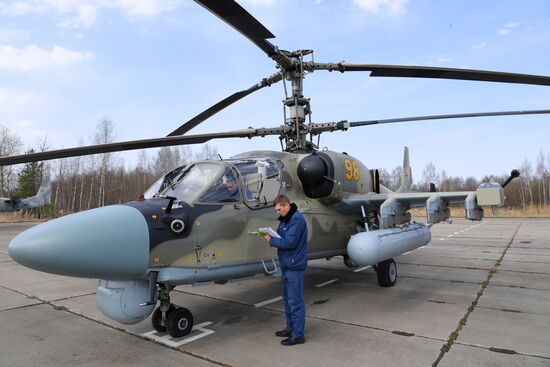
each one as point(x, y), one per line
point(298, 106)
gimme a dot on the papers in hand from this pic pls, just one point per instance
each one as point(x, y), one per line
point(269, 231)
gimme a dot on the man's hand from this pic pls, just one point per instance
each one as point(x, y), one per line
point(267, 238)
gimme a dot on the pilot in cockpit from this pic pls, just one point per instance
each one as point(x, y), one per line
point(229, 182)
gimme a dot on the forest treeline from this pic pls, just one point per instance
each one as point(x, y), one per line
point(88, 182)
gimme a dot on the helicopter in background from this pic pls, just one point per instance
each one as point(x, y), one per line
point(192, 227)
point(42, 198)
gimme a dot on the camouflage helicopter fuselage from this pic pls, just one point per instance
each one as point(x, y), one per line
point(218, 242)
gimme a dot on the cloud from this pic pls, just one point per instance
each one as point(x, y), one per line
point(33, 57)
point(508, 27)
point(389, 7)
point(84, 13)
point(478, 46)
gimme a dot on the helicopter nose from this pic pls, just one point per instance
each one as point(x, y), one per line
point(111, 242)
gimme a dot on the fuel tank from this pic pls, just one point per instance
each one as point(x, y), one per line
point(373, 247)
point(120, 300)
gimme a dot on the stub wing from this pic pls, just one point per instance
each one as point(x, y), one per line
point(393, 207)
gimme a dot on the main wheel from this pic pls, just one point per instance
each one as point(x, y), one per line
point(179, 322)
point(156, 319)
point(386, 272)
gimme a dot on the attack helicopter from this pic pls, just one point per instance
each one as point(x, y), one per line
point(191, 228)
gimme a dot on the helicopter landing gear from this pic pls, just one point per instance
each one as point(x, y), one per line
point(177, 321)
point(349, 263)
point(386, 272)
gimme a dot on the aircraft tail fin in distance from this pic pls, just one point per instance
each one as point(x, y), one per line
point(44, 193)
point(43, 196)
point(406, 175)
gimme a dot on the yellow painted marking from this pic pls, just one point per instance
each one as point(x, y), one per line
point(218, 253)
point(349, 169)
point(156, 259)
point(198, 223)
point(352, 170)
point(355, 166)
point(154, 216)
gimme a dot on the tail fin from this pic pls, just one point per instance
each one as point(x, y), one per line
point(406, 175)
point(42, 197)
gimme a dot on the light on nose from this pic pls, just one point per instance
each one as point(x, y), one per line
point(106, 243)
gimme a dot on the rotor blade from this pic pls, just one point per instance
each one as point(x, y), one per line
point(206, 114)
point(321, 127)
point(237, 17)
point(407, 71)
point(450, 116)
point(131, 145)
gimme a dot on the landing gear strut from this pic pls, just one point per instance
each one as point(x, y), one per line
point(386, 272)
point(349, 263)
point(177, 321)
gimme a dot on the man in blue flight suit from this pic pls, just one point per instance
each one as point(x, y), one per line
point(292, 253)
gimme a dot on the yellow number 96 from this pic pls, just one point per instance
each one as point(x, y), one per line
point(352, 170)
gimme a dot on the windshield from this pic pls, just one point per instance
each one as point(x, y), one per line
point(163, 182)
point(205, 182)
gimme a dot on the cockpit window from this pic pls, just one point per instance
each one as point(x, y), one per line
point(162, 183)
point(224, 190)
point(261, 180)
point(193, 182)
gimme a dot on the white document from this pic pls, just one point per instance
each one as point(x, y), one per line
point(270, 232)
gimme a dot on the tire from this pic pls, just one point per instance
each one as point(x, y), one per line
point(386, 272)
point(156, 319)
point(179, 322)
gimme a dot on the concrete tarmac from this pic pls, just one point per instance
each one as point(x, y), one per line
point(478, 295)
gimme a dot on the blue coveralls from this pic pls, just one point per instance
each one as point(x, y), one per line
point(292, 253)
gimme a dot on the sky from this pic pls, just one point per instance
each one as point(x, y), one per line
point(150, 65)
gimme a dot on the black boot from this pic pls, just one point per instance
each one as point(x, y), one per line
point(284, 333)
point(293, 341)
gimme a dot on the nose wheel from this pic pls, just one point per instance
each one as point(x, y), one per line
point(177, 321)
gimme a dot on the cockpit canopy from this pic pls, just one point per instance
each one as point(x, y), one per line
point(252, 180)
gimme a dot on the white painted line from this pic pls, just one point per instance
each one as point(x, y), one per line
point(273, 300)
point(166, 339)
point(326, 283)
point(408, 252)
point(461, 231)
point(361, 269)
point(456, 233)
point(442, 239)
point(450, 235)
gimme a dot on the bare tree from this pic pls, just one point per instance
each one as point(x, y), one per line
point(105, 134)
point(9, 145)
point(167, 159)
point(526, 171)
point(429, 175)
point(395, 180)
point(207, 152)
point(541, 173)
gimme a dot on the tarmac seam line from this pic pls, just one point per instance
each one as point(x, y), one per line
point(514, 311)
point(24, 306)
point(489, 349)
point(454, 335)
